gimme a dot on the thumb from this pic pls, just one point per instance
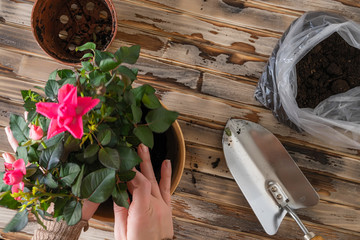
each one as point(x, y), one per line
point(120, 228)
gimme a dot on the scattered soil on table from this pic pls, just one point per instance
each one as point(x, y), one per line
point(216, 163)
point(331, 67)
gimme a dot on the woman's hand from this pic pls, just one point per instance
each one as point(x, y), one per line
point(149, 216)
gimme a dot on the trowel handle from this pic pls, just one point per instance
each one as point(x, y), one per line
point(317, 238)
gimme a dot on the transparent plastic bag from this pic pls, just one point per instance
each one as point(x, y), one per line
point(336, 120)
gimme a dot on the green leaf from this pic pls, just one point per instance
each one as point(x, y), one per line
point(69, 172)
point(75, 188)
point(108, 64)
point(86, 46)
point(21, 152)
point(151, 101)
point(18, 222)
point(128, 158)
point(8, 201)
point(125, 71)
point(128, 54)
point(72, 212)
point(145, 135)
point(109, 157)
point(141, 90)
point(126, 176)
point(99, 56)
point(137, 113)
point(82, 80)
point(87, 65)
point(19, 128)
point(31, 115)
point(69, 80)
point(33, 155)
point(97, 77)
point(31, 170)
point(87, 55)
point(52, 141)
point(51, 89)
point(50, 157)
point(65, 73)
point(49, 181)
point(91, 150)
point(120, 195)
point(29, 106)
point(53, 75)
point(129, 98)
point(98, 185)
point(59, 206)
point(104, 136)
point(160, 119)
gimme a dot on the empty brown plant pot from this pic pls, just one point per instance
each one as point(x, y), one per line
point(60, 26)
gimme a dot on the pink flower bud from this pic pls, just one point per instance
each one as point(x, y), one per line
point(13, 177)
point(36, 133)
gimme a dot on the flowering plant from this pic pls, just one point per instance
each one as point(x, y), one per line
point(79, 138)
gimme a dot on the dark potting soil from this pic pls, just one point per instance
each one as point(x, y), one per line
point(331, 67)
point(158, 153)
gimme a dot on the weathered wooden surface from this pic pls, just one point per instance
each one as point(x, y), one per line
point(204, 58)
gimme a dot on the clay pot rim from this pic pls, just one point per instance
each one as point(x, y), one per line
point(181, 157)
point(112, 10)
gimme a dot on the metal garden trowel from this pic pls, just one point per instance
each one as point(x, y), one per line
point(266, 174)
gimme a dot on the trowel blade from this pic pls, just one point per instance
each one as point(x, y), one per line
point(255, 158)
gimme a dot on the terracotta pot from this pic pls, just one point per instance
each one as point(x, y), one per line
point(60, 26)
point(175, 152)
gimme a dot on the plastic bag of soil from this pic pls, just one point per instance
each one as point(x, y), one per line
point(336, 119)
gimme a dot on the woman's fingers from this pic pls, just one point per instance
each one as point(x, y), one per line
point(13, 143)
point(147, 169)
point(121, 215)
point(165, 181)
point(88, 209)
point(140, 189)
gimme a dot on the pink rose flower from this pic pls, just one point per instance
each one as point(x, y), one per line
point(36, 133)
point(14, 172)
point(13, 177)
point(67, 114)
point(15, 188)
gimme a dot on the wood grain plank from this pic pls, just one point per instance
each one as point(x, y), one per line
point(226, 191)
point(274, 15)
point(349, 9)
point(225, 88)
point(345, 166)
point(331, 189)
point(193, 230)
point(217, 111)
point(232, 12)
point(243, 220)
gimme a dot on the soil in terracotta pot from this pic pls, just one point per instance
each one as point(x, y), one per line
point(61, 26)
point(331, 67)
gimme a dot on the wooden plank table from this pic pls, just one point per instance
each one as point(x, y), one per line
point(204, 57)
